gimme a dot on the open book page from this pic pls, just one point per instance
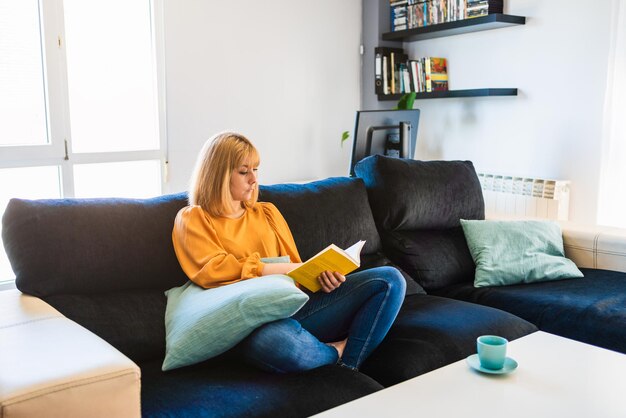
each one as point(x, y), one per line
point(355, 251)
point(330, 258)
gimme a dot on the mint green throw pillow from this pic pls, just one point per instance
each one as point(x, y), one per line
point(281, 259)
point(202, 323)
point(513, 252)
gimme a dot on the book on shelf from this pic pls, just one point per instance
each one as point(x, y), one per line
point(436, 74)
point(399, 71)
point(385, 55)
point(330, 258)
point(477, 8)
point(392, 75)
point(414, 74)
point(385, 77)
point(418, 15)
point(398, 74)
point(406, 78)
point(437, 12)
point(378, 70)
point(427, 85)
point(399, 19)
point(410, 14)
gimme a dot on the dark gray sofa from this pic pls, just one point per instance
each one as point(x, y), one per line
point(105, 264)
point(428, 243)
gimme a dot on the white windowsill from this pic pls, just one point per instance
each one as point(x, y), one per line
point(8, 285)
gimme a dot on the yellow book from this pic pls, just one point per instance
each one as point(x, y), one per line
point(330, 258)
point(393, 74)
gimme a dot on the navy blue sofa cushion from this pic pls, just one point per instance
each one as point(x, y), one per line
point(434, 258)
point(591, 309)
point(431, 332)
point(88, 246)
point(225, 388)
point(417, 206)
point(334, 210)
point(409, 194)
point(319, 213)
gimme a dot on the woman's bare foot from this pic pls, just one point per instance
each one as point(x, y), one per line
point(339, 346)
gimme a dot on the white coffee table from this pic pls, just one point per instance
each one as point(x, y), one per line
point(556, 377)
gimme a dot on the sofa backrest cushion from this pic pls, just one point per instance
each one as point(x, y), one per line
point(334, 210)
point(86, 246)
point(331, 211)
point(417, 206)
point(409, 194)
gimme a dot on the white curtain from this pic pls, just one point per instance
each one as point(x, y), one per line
point(612, 196)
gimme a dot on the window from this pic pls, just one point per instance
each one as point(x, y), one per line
point(612, 197)
point(23, 101)
point(79, 109)
point(137, 179)
point(110, 76)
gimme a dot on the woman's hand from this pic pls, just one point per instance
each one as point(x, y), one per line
point(330, 280)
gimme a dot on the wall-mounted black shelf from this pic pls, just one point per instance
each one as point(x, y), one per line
point(454, 93)
point(491, 21)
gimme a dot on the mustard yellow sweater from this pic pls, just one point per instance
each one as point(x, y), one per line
point(216, 251)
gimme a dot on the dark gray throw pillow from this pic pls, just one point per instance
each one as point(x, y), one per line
point(332, 211)
point(433, 258)
point(409, 194)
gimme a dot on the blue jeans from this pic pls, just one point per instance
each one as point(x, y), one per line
point(362, 309)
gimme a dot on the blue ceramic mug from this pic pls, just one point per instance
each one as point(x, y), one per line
point(491, 351)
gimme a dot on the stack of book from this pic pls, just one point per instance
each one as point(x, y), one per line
point(399, 11)
point(409, 14)
point(477, 8)
point(397, 74)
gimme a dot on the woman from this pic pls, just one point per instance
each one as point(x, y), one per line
point(221, 239)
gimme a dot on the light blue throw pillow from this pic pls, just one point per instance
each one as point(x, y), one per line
point(281, 259)
point(513, 252)
point(202, 323)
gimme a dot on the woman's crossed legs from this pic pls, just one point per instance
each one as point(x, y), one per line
point(363, 309)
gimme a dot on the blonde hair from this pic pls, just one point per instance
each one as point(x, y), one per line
point(210, 181)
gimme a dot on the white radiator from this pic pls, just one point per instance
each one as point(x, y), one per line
point(510, 197)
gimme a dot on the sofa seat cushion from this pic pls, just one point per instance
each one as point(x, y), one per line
point(431, 332)
point(590, 309)
point(224, 387)
point(131, 321)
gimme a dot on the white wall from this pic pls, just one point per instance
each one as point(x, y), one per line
point(286, 73)
point(553, 128)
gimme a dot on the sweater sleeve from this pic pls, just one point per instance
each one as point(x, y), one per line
point(283, 233)
point(202, 256)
